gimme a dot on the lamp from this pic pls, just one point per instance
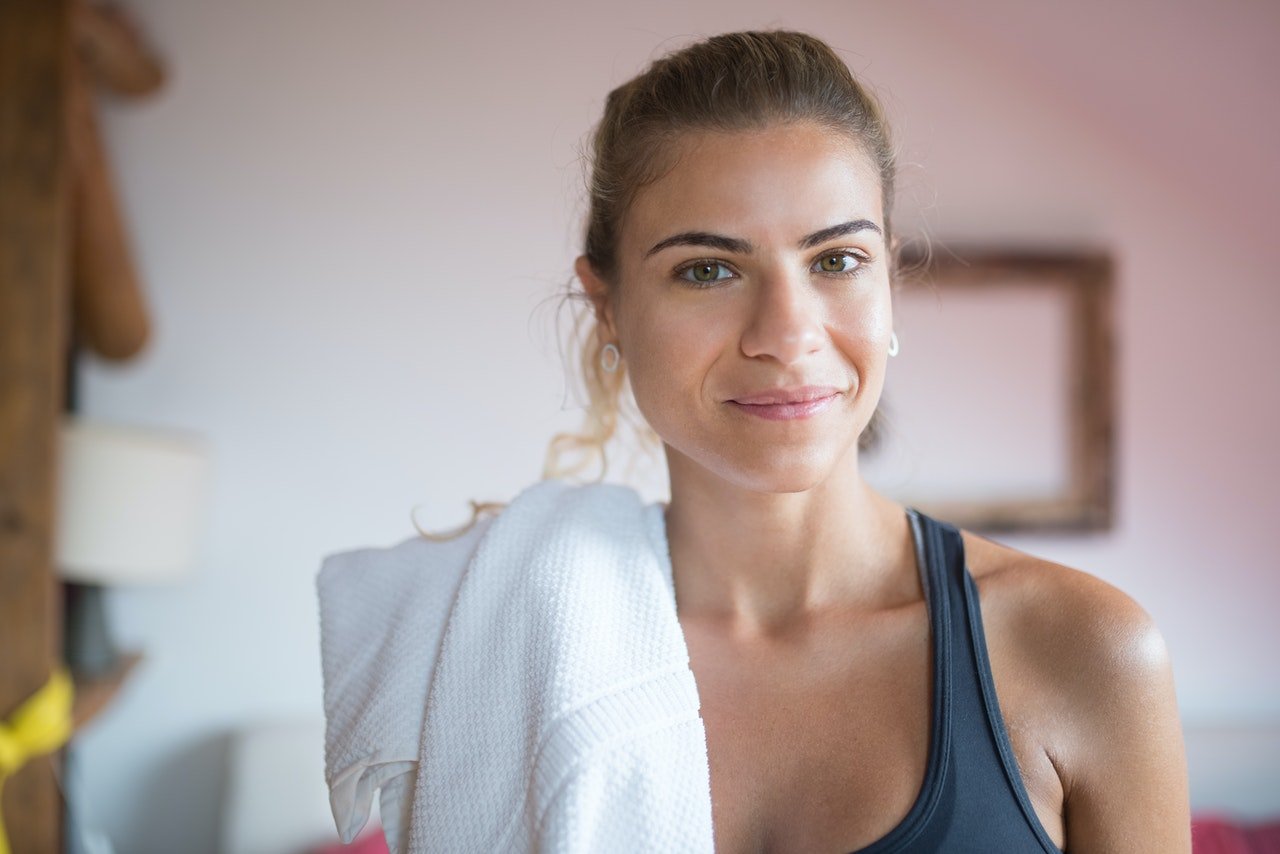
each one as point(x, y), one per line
point(130, 511)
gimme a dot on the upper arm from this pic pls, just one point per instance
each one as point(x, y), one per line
point(1125, 775)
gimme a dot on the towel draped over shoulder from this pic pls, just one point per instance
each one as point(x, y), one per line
point(523, 687)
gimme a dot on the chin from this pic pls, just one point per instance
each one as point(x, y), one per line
point(776, 470)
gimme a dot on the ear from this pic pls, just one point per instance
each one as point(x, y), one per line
point(598, 291)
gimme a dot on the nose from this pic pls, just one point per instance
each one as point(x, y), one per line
point(786, 319)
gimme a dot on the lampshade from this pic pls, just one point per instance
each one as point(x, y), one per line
point(130, 503)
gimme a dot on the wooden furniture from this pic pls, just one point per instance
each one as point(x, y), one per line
point(93, 695)
point(66, 277)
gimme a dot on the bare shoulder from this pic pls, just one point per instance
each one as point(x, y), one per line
point(1087, 669)
point(1064, 614)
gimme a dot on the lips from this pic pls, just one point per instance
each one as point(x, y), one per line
point(793, 394)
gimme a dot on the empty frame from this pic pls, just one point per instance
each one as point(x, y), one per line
point(998, 409)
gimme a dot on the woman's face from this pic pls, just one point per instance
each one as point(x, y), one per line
point(756, 264)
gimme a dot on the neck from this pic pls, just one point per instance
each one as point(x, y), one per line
point(765, 562)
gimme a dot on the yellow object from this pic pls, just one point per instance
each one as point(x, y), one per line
point(40, 725)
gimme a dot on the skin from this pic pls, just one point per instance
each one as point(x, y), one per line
point(796, 581)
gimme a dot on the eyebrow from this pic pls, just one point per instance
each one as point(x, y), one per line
point(745, 247)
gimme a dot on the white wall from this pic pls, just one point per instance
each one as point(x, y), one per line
point(348, 214)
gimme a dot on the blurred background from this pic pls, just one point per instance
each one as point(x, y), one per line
point(350, 220)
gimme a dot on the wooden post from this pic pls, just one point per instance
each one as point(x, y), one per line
point(35, 55)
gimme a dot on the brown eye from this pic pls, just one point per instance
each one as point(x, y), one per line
point(703, 272)
point(839, 262)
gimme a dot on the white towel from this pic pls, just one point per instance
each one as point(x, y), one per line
point(382, 615)
point(528, 683)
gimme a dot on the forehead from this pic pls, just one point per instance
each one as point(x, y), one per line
point(775, 183)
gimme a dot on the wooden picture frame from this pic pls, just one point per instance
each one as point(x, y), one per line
point(1020, 311)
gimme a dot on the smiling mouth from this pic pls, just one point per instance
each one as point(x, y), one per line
point(793, 394)
point(789, 410)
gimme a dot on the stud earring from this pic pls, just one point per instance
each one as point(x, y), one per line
point(893, 344)
point(610, 356)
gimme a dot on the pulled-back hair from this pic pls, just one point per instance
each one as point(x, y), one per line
point(730, 82)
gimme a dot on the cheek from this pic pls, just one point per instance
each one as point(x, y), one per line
point(670, 352)
point(861, 325)
point(861, 330)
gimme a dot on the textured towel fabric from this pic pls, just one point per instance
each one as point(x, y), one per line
point(524, 687)
point(382, 614)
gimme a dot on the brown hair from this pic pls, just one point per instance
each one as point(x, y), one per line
point(729, 82)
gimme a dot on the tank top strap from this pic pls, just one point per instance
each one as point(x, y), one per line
point(971, 798)
point(942, 618)
point(980, 754)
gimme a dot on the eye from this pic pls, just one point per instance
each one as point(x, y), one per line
point(704, 272)
point(841, 267)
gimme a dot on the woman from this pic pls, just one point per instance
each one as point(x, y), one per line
point(738, 264)
point(740, 256)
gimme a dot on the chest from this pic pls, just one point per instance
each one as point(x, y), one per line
point(820, 743)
